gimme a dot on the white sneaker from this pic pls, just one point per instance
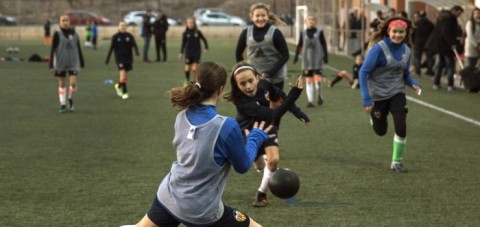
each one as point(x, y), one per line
point(125, 96)
point(355, 83)
point(118, 89)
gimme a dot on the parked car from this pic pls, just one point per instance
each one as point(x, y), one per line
point(7, 20)
point(135, 18)
point(198, 12)
point(219, 18)
point(83, 17)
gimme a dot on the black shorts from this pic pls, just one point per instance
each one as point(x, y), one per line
point(124, 66)
point(269, 142)
point(397, 103)
point(194, 59)
point(64, 73)
point(312, 72)
point(162, 217)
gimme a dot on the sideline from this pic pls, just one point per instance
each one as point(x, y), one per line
point(431, 106)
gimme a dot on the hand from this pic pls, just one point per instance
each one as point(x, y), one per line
point(418, 89)
point(367, 109)
point(298, 83)
point(302, 117)
point(261, 127)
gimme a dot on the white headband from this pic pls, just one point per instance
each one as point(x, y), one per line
point(244, 67)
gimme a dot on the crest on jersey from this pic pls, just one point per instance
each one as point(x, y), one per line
point(377, 114)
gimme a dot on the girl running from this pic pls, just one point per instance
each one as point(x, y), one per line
point(191, 49)
point(253, 98)
point(383, 77)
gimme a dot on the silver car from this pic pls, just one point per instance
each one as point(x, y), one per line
point(135, 18)
point(219, 18)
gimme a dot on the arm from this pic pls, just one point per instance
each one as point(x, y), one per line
point(470, 37)
point(134, 45)
point(409, 79)
point(184, 42)
point(281, 45)
point(241, 45)
point(324, 46)
point(200, 35)
point(299, 48)
point(367, 67)
point(80, 55)
point(55, 42)
point(241, 155)
point(112, 46)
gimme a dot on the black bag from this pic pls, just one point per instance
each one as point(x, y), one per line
point(35, 58)
point(471, 78)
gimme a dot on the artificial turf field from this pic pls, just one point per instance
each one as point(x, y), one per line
point(101, 165)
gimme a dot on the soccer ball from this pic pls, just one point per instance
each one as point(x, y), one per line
point(284, 183)
point(16, 49)
point(9, 50)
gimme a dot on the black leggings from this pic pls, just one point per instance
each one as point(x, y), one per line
point(380, 124)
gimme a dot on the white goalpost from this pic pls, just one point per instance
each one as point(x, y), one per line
point(300, 13)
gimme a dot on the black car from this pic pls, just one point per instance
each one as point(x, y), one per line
point(7, 20)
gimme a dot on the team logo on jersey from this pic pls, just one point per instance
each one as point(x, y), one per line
point(239, 216)
point(377, 114)
point(259, 53)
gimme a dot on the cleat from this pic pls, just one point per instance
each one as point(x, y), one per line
point(398, 167)
point(320, 100)
point(436, 87)
point(354, 84)
point(310, 105)
point(63, 109)
point(261, 200)
point(125, 96)
point(118, 89)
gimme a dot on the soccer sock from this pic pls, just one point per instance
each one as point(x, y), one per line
point(334, 81)
point(62, 95)
point(187, 75)
point(398, 148)
point(124, 87)
point(310, 91)
point(266, 176)
point(71, 91)
point(318, 85)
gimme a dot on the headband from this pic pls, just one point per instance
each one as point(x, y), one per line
point(397, 23)
point(244, 67)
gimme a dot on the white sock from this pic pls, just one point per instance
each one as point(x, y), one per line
point(62, 95)
point(309, 88)
point(266, 176)
point(71, 91)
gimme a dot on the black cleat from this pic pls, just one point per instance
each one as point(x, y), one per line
point(320, 100)
point(261, 200)
point(398, 167)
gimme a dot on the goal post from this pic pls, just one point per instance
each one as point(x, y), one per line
point(300, 13)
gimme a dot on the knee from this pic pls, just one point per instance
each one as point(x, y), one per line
point(272, 163)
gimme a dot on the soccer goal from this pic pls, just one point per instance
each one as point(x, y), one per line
point(300, 13)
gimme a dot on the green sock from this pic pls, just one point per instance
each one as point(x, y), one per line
point(398, 148)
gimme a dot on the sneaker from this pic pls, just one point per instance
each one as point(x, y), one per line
point(310, 105)
point(72, 107)
point(398, 167)
point(320, 100)
point(118, 89)
point(261, 200)
point(436, 87)
point(62, 109)
point(125, 96)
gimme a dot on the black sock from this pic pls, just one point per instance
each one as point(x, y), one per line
point(124, 87)
point(187, 75)
point(334, 81)
point(70, 101)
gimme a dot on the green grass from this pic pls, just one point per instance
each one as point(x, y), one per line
point(101, 165)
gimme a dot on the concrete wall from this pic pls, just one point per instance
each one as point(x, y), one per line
point(175, 32)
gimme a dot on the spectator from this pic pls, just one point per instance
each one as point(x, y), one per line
point(160, 28)
point(47, 37)
point(442, 42)
point(472, 42)
point(146, 34)
point(375, 22)
point(423, 29)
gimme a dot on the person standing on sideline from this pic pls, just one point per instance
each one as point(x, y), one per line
point(146, 34)
point(66, 58)
point(472, 42)
point(88, 34)
point(383, 77)
point(314, 47)
point(265, 45)
point(160, 28)
point(207, 145)
point(94, 32)
point(47, 40)
point(253, 98)
point(123, 44)
point(442, 42)
point(423, 29)
point(191, 49)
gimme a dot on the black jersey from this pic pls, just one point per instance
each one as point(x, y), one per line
point(123, 43)
point(355, 70)
point(252, 109)
point(191, 43)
